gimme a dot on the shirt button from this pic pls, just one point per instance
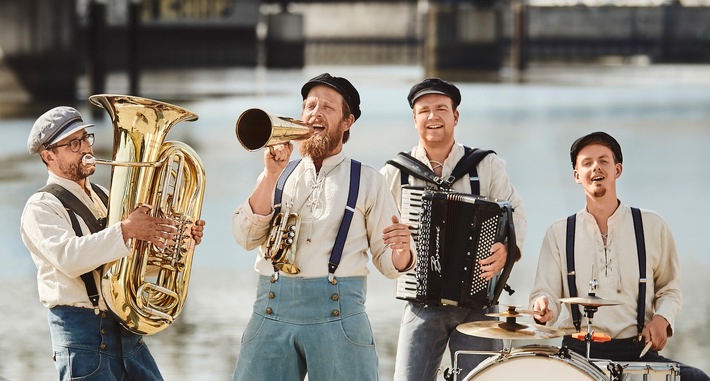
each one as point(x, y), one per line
point(272, 295)
point(103, 315)
point(334, 297)
point(103, 331)
point(336, 313)
point(102, 346)
point(269, 311)
point(334, 281)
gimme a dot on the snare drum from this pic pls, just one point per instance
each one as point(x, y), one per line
point(537, 363)
point(643, 371)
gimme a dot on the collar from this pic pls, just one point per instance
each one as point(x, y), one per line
point(328, 162)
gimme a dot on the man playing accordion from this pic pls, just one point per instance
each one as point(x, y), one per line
point(426, 329)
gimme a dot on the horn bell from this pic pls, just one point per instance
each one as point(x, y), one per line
point(257, 129)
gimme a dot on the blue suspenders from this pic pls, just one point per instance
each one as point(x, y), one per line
point(337, 252)
point(641, 251)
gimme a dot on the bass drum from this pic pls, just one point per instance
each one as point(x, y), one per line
point(537, 363)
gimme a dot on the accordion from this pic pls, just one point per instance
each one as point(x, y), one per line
point(452, 232)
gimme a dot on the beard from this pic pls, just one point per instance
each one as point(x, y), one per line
point(318, 147)
point(76, 171)
point(599, 193)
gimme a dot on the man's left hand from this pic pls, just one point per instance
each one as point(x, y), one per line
point(398, 237)
point(197, 231)
point(495, 262)
point(657, 332)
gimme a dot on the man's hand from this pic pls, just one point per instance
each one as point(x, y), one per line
point(397, 236)
point(276, 157)
point(495, 262)
point(142, 226)
point(542, 305)
point(197, 231)
point(656, 332)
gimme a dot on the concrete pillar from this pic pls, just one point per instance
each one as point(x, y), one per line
point(285, 41)
point(462, 40)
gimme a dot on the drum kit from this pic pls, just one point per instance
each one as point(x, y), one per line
point(543, 362)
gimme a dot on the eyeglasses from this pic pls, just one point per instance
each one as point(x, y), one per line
point(75, 144)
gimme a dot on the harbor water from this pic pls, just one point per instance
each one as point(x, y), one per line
point(660, 115)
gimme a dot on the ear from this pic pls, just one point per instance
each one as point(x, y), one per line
point(575, 174)
point(349, 122)
point(456, 117)
point(619, 169)
point(47, 155)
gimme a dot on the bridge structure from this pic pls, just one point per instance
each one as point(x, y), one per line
point(49, 44)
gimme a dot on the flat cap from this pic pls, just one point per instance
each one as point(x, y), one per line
point(341, 85)
point(598, 137)
point(434, 86)
point(53, 126)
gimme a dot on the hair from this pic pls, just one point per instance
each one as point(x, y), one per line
point(598, 137)
point(346, 114)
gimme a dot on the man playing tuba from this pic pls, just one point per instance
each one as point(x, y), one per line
point(345, 210)
point(62, 227)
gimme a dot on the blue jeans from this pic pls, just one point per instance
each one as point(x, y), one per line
point(629, 350)
point(308, 326)
point(424, 334)
point(95, 347)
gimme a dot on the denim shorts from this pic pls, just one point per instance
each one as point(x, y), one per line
point(88, 346)
point(308, 326)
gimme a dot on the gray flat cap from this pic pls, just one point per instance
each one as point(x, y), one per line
point(53, 126)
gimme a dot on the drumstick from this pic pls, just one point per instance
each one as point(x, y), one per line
point(645, 349)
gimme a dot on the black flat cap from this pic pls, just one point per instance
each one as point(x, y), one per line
point(341, 85)
point(596, 138)
point(434, 86)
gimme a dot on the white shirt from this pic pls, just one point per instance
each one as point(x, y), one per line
point(493, 181)
point(59, 255)
point(319, 200)
point(615, 266)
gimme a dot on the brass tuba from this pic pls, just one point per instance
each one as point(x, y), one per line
point(147, 289)
point(257, 129)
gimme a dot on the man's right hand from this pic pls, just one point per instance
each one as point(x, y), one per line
point(542, 306)
point(276, 158)
point(142, 226)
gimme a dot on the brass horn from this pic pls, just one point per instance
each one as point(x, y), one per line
point(257, 129)
point(147, 289)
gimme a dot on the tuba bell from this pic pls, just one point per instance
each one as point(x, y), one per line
point(257, 129)
point(147, 289)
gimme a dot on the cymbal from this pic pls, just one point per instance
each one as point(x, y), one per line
point(495, 329)
point(590, 301)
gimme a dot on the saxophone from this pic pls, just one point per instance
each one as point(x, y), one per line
point(147, 289)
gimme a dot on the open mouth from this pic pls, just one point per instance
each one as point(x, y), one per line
point(317, 128)
point(597, 178)
point(435, 127)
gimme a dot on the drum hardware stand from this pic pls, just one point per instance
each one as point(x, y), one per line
point(589, 311)
point(453, 373)
point(616, 371)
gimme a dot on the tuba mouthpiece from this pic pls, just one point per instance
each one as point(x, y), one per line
point(88, 160)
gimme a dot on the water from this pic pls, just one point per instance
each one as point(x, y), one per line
point(660, 115)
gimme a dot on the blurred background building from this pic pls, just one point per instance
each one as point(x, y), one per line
point(46, 45)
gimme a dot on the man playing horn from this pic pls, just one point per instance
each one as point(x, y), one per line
point(67, 247)
point(314, 321)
